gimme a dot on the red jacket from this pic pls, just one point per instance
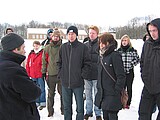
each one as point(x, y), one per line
point(34, 64)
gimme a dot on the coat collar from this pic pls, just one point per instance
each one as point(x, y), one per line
point(11, 56)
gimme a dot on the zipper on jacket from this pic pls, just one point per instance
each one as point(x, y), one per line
point(69, 81)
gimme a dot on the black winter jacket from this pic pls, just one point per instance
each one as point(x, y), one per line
point(108, 96)
point(93, 54)
point(150, 62)
point(74, 64)
point(17, 92)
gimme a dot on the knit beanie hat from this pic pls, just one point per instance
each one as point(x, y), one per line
point(11, 41)
point(72, 29)
point(56, 32)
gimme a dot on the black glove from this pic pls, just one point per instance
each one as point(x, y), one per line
point(44, 76)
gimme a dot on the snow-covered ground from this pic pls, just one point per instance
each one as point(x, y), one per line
point(124, 114)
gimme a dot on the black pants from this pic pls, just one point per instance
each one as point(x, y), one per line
point(128, 85)
point(147, 104)
point(110, 115)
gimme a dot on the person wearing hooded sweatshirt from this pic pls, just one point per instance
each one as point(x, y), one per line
point(33, 67)
point(50, 70)
point(18, 92)
point(150, 71)
point(109, 84)
point(130, 59)
point(74, 64)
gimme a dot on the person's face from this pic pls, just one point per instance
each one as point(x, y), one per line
point(36, 47)
point(21, 50)
point(55, 38)
point(101, 45)
point(72, 36)
point(125, 41)
point(92, 34)
point(153, 32)
point(9, 31)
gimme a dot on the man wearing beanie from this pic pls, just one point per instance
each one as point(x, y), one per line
point(74, 64)
point(17, 91)
point(91, 82)
point(50, 69)
point(48, 39)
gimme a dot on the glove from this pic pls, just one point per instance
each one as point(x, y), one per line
point(44, 76)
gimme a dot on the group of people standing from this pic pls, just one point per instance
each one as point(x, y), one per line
point(95, 67)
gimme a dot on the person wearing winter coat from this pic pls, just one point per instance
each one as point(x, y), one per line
point(48, 39)
point(150, 71)
point(34, 67)
point(130, 59)
point(74, 64)
point(91, 82)
point(50, 71)
point(109, 84)
point(18, 92)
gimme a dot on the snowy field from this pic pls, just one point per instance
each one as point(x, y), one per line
point(124, 114)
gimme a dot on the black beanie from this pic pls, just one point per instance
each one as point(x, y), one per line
point(11, 41)
point(72, 29)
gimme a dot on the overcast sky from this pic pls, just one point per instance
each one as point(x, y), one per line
point(91, 12)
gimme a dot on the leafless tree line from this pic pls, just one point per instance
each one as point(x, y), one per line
point(135, 28)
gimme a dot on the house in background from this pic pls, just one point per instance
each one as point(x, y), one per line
point(41, 33)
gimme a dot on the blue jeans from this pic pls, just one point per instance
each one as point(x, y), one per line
point(42, 99)
point(67, 94)
point(90, 87)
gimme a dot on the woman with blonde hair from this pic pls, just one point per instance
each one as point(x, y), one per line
point(130, 59)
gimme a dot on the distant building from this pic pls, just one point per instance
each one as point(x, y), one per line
point(41, 33)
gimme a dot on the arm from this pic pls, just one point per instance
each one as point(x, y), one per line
point(44, 60)
point(86, 64)
point(119, 71)
point(25, 87)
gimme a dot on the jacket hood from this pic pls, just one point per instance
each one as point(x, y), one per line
point(155, 22)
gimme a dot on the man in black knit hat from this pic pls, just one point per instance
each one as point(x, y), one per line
point(74, 64)
point(17, 91)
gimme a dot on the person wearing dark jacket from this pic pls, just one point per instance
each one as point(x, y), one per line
point(91, 82)
point(150, 71)
point(109, 84)
point(18, 92)
point(48, 39)
point(74, 64)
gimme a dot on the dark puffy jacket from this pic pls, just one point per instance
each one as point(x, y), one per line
point(150, 62)
point(93, 54)
point(17, 92)
point(74, 64)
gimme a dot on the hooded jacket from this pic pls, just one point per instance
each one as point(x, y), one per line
point(150, 61)
point(50, 57)
point(17, 92)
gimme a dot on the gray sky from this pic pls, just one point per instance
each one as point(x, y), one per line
point(92, 12)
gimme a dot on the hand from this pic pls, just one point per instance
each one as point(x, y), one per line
point(44, 76)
